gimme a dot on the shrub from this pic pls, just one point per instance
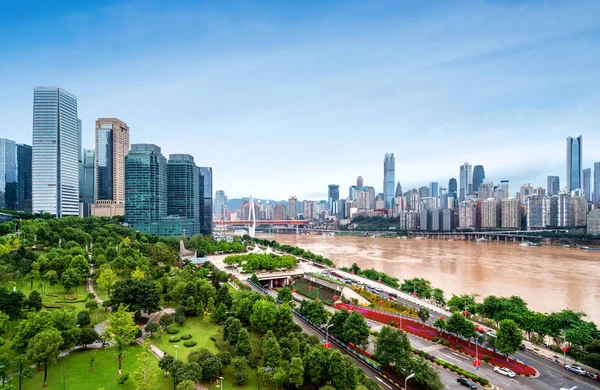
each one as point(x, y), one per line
point(485, 358)
point(435, 339)
point(190, 343)
point(445, 343)
point(186, 336)
point(462, 372)
point(458, 346)
point(174, 339)
point(172, 330)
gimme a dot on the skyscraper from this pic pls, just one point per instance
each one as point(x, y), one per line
point(87, 182)
point(466, 184)
point(587, 184)
point(565, 210)
point(535, 212)
point(55, 152)
point(452, 188)
point(511, 213)
point(292, 207)
point(333, 195)
point(574, 159)
point(389, 168)
point(145, 188)
point(478, 177)
point(24, 177)
point(424, 192)
point(597, 182)
point(553, 187)
point(183, 192)
point(433, 190)
point(112, 145)
point(9, 189)
point(504, 186)
point(221, 205)
point(398, 190)
point(359, 182)
point(206, 180)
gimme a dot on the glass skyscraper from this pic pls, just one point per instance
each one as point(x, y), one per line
point(333, 195)
point(389, 180)
point(87, 182)
point(24, 177)
point(55, 152)
point(574, 159)
point(478, 177)
point(587, 184)
point(206, 200)
point(596, 194)
point(8, 175)
point(183, 192)
point(553, 186)
point(145, 188)
point(104, 148)
point(466, 180)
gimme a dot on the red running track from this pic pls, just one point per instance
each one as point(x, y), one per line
point(429, 333)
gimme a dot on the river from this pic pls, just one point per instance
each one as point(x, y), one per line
point(548, 278)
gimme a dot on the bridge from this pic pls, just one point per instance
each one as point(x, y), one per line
point(260, 222)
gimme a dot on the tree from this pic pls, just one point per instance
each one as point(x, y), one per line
point(140, 295)
point(296, 376)
point(165, 321)
point(254, 279)
point(355, 268)
point(231, 330)
point(121, 380)
point(165, 363)
point(4, 322)
point(392, 346)
point(337, 370)
point(34, 301)
point(439, 323)
point(356, 330)
point(43, 349)
point(152, 328)
point(87, 336)
point(314, 311)
point(508, 338)
point(225, 358)
point(186, 385)
point(224, 297)
point(122, 331)
point(22, 370)
point(220, 314)
point(264, 314)
point(107, 279)
point(70, 278)
point(271, 351)
point(423, 315)
point(240, 370)
point(92, 306)
point(458, 303)
point(244, 345)
point(337, 323)
point(146, 371)
point(421, 286)
point(284, 322)
point(52, 277)
point(285, 295)
point(438, 296)
point(425, 374)
point(211, 367)
point(11, 302)
point(83, 318)
point(138, 273)
point(316, 364)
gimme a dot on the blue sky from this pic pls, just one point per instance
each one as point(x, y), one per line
point(286, 97)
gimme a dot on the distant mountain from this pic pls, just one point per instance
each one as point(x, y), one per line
point(236, 203)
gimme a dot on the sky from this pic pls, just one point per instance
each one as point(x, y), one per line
point(285, 97)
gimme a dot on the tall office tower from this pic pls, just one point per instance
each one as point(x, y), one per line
point(504, 184)
point(587, 184)
point(398, 190)
point(424, 192)
point(333, 195)
point(550, 211)
point(415, 200)
point(443, 199)
point(467, 214)
point(478, 177)
point(352, 192)
point(565, 210)
point(112, 145)
point(466, 177)
point(24, 177)
point(428, 203)
point(9, 188)
point(491, 213)
point(55, 153)
point(452, 188)
point(535, 212)
point(526, 190)
point(206, 206)
point(220, 205)
point(540, 191)
point(87, 182)
point(292, 207)
point(485, 191)
point(183, 192)
point(371, 197)
point(359, 182)
point(433, 189)
point(389, 171)
point(574, 160)
point(511, 213)
point(145, 188)
point(579, 213)
point(553, 186)
point(596, 194)
point(341, 208)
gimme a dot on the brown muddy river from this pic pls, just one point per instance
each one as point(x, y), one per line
point(548, 278)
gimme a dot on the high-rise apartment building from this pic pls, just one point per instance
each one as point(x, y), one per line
point(466, 180)
point(565, 210)
point(491, 213)
point(467, 214)
point(183, 192)
point(145, 188)
point(574, 161)
point(87, 182)
point(478, 177)
point(9, 188)
point(279, 212)
point(436, 220)
point(587, 184)
point(553, 187)
point(447, 220)
point(433, 189)
point(504, 185)
point(593, 222)
point(550, 211)
point(424, 192)
point(511, 213)
point(221, 205)
point(309, 209)
point(580, 210)
point(596, 194)
point(292, 207)
point(24, 160)
point(55, 152)
point(535, 212)
point(409, 220)
point(333, 195)
point(425, 220)
point(206, 200)
point(525, 191)
point(485, 191)
point(112, 145)
point(389, 180)
point(443, 203)
point(359, 182)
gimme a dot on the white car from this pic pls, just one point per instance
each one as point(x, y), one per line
point(504, 371)
point(491, 334)
point(576, 369)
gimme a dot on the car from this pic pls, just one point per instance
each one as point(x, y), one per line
point(378, 289)
point(479, 329)
point(490, 333)
point(392, 299)
point(576, 369)
point(466, 382)
point(504, 371)
point(393, 295)
point(522, 347)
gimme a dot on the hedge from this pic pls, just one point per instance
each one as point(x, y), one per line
point(172, 329)
point(186, 336)
point(190, 343)
point(462, 372)
point(174, 339)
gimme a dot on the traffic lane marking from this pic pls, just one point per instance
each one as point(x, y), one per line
point(569, 377)
point(379, 379)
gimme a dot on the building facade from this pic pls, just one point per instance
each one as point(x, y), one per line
point(491, 213)
point(511, 213)
point(574, 160)
point(9, 188)
point(292, 208)
point(580, 210)
point(434, 190)
point(535, 212)
point(389, 179)
point(24, 160)
point(466, 180)
point(485, 191)
point(478, 177)
point(467, 214)
point(447, 220)
point(550, 211)
point(87, 182)
point(593, 222)
point(183, 192)
point(436, 220)
point(553, 187)
point(596, 194)
point(359, 182)
point(206, 200)
point(333, 195)
point(452, 188)
point(55, 153)
point(587, 184)
point(220, 205)
point(565, 210)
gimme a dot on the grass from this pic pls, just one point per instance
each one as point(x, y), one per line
point(104, 375)
point(200, 329)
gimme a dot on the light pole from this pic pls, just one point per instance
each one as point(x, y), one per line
point(62, 356)
point(176, 350)
point(406, 381)
point(327, 334)
point(564, 347)
point(221, 379)
point(477, 356)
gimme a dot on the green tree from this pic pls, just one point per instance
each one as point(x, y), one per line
point(508, 337)
point(458, 303)
point(231, 330)
point(438, 296)
point(425, 374)
point(243, 347)
point(271, 351)
point(224, 297)
point(316, 362)
point(296, 376)
point(439, 323)
point(421, 286)
point(91, 306)
point(211, 367)
point(107, 279)
point(121, 330)
point(254, 279)
point(165, 321)
point(83, 318)
point(355, 268)
point(186, 385)
point(337, 323)
point(140, 295)
point(264, 315)
point(356, 330)
point(392, 346)
point(34, 301)
point(70, 278)
point(285, 295)
point(423, 315)
point(11, 302)
point(314, 311)
point(152, 328)
point(52, 277)
point(87, 336)
point(145, 375)
point(337, 370)
point(220, 314)
point(22, 370)
point(43, 349)
point(284, 322)
point(240, 370)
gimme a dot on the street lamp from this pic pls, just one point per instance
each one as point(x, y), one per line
point(62, 356)
point(564, 347)
point(406, 381)
point(176, 350)
point(221, 378)
point(327, 334)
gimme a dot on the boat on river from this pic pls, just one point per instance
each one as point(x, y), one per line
point(589, 248)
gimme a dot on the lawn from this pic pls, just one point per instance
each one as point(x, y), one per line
point(104, 376)
point(200, 329)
